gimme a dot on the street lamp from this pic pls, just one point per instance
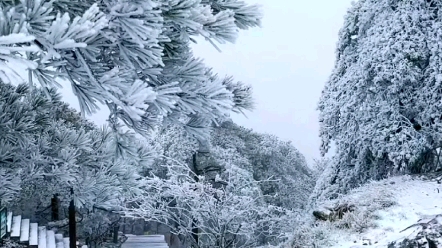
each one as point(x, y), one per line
point(3, 221)
point(72, 222)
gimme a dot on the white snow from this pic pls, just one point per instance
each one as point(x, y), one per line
point(42, 237)
point(66, 242)
point(24, 230)
point(417, 201)
point(50, 239)
point(33, 234)
point(15, 229)
point(58, 237)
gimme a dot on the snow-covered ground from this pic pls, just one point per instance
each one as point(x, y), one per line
point(416, 200)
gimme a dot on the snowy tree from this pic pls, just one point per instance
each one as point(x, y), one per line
point(170, 143)
point(382, 103)
point(234, 215)
point(239, 158)
point(287, 180)
point(132, 56)
point(47, 149)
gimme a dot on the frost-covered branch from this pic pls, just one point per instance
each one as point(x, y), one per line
point(131, 56)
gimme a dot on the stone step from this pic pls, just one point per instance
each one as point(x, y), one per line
point(144, 241)
point(59, 240)
point(66, 242)
point(33, 234)
point(50, 239)
point(24, 230)
point(42, 237)
point(15, 228)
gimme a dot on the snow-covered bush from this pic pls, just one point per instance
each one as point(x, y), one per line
point(96, 226)
point(366, 202)
point(308, 235)
point(8, 243)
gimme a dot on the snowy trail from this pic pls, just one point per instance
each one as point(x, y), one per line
point(416, 200)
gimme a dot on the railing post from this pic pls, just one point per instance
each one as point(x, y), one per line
point(3, 222)
point(55, 208)
point(115, 233)
point(194, 221)
point(72, 223)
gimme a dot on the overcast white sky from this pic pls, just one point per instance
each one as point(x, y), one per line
point(287, 62)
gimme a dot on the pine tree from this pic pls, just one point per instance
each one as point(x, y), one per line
point(382, 103)
point(133, 56)
point(46, 148)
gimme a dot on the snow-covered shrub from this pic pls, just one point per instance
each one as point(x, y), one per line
point(367, 200)
point(311, 235)
point(8, 243)
point(95, 227)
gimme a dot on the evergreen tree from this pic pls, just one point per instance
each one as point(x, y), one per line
point(47, 149)
point(133, 56)
point(287, 181)
point(382, 103)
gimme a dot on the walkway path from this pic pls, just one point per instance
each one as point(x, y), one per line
point(145, 241)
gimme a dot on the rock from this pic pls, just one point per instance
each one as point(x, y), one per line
point(335, 213)
point(366, 241)
point(429, 235)
point(323, 214)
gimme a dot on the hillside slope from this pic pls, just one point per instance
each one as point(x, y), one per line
point(417, 201)
point(399, 212)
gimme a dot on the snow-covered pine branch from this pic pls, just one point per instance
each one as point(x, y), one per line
point(132, 56)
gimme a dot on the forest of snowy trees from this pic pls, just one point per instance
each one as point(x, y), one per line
point(170, 152)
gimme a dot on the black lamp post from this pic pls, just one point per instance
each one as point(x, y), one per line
point(72, 223)
point(3, 222)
